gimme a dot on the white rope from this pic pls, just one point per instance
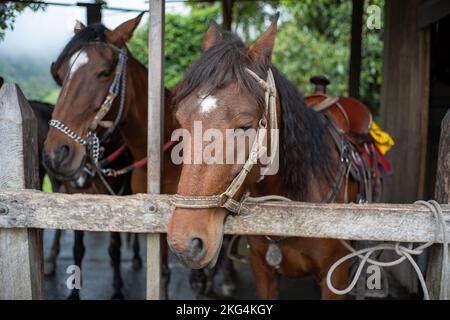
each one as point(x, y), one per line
point(404, 252)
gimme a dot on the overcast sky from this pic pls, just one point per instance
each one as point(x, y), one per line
point(43, 34)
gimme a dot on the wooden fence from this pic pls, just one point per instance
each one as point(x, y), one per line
point(24, 213)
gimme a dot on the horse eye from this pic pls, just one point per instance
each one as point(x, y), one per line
point(104, 74)
point(243, 128)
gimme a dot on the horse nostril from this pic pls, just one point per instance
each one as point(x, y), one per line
point(197, 247)
point(62, 153)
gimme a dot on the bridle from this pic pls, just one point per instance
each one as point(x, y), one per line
point(92, 142)
point(227, 199)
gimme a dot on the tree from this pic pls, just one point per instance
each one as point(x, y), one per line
point(9, 12)
point(183, 36)
point(314, 38)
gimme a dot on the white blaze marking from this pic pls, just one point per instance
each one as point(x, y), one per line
point(208, 104)
point(77, 60)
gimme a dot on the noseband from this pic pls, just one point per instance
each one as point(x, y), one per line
point(91, 142)
point(226, 199)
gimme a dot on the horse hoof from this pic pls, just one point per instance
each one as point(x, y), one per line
point(49, 268)
point(137, 263)
point(74, 295)
point(118, 296)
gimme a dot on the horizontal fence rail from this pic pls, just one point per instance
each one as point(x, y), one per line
point(146, 213)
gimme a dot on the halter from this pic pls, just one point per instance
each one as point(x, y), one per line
point(226, 199)
point(91, 142)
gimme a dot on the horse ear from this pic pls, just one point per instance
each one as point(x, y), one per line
point(212, 35)
point(79, 26)
point(262, 49)
point(120, 35)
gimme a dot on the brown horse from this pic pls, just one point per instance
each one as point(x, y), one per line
point(88, 67)
point(222, 90)
point(86, 184)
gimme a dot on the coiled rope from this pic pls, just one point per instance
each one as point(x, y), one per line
point(404, 252)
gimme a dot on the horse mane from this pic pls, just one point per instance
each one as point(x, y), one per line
point(304, 152)
point(94, 32)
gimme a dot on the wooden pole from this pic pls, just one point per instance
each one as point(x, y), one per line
point(227, 13)
point(155, 137)
point(441, 195)
point(20, 249)
point(356, 47)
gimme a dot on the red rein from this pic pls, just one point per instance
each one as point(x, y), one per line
point(138, 164)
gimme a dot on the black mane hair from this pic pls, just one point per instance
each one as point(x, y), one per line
point(304, 152)
point(92, 33)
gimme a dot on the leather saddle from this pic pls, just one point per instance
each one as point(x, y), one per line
point(349, 115)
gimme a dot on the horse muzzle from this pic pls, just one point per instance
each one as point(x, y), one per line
point(195, 236)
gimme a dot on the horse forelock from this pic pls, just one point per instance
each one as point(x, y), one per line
point(92, 33)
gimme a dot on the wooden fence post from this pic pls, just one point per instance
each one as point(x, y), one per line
point(20, 249)
point(441, 195)
point(155, 137)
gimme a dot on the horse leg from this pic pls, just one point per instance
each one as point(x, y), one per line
point(78, 254)
point(137, 260)
point(267, 278)
point(229, 272)
point(50, 261)
point(114, 253)
point(339, 281)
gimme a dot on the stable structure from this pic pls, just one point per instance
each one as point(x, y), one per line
point(415, 93)
point(24, 212)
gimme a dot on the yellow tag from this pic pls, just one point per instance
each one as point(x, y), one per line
point(382, 139)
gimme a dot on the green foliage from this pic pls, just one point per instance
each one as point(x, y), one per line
point(314, 38)
point(372, 58)
point(52, 96)
point(9, 11)
point(32, 76)
point(183, 36)
point(47, 185)
point(252, 14)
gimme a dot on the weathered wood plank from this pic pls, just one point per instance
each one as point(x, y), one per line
point(20, 249)
point(442, 194)
point(149, 213)
point(404, 111)
point(404, 102)
point(155, 138)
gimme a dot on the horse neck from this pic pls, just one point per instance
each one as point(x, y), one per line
point(273, 185)
point(134, 126)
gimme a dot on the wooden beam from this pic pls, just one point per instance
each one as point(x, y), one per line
point(155, 137)
point(431, 11)
point(20, 249)
point(442, 194)
point(354, 79)
point(148, 213)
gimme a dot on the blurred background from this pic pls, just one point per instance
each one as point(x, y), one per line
point(314, 38)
